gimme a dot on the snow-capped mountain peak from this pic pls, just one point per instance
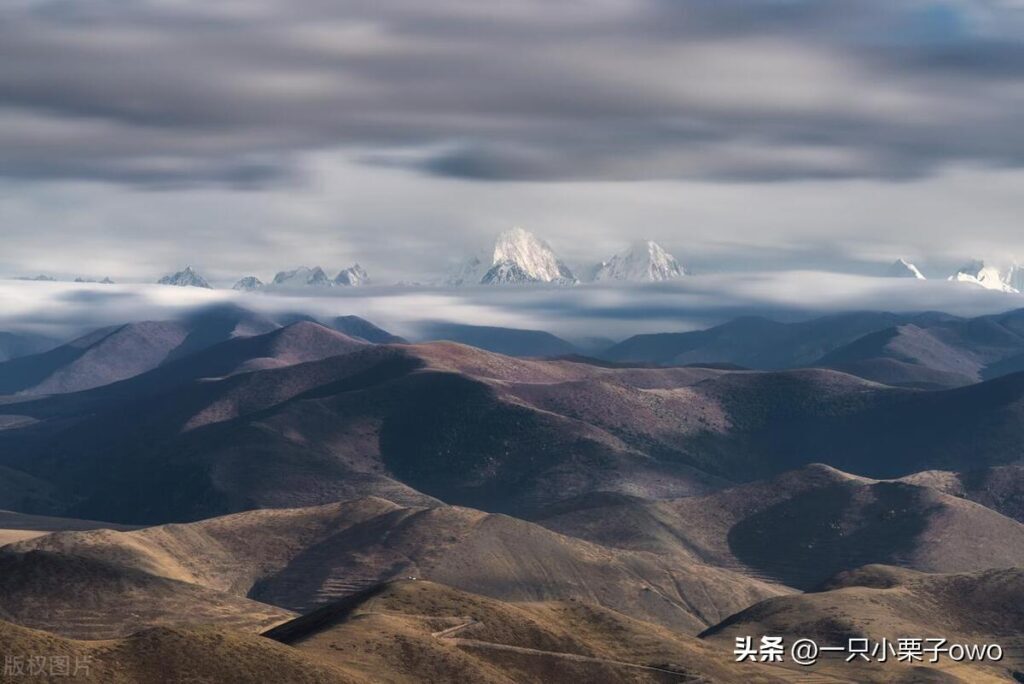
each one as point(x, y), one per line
point(302, 276)
point(521, 257)
point(977, 273)
point(316, 277)
point(643, 261)
point(468, 271)
point(185, 278)
point(353, 276)
point(248, 284)
point(902, 268)
point(1014, 277)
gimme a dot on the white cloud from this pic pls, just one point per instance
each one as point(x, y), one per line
point(66, 309)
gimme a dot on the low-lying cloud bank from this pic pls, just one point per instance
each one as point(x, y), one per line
point(66, 309)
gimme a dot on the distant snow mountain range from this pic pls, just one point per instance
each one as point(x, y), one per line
point(974, 272)
point(42, 278)
point(353, 276)
point(520, 257)
point(301, 277)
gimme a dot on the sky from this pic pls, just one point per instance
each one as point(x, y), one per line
point(250, 136)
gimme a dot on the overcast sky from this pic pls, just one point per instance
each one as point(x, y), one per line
point(248, 136)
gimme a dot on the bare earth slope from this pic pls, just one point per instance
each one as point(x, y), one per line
point(803, 527)
point(18, 526)
point(174, 655)
point(878, 602)
point(1000, 488)
point(299, 559)
point(91, 598)
point(422, 631)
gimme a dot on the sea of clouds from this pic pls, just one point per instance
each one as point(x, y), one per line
point(64, 310)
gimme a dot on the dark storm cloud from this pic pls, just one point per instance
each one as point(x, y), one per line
point(181, 91)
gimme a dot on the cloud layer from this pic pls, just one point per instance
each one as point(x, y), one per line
point(171, 92)
point(66, 309)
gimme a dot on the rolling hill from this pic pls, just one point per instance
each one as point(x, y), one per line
point(413, 631)
point(946, 353)
point(755, 341)
point(89, 598)
point(302, 558)
point(925, 350)
point(1000, 488)
point(446, 512)
point(15, 344)
point(17, 526)
point(509, 341)
point(419, 423)
point(116, 353)
point(878, 602)
point(803, 527)
point(165, 654)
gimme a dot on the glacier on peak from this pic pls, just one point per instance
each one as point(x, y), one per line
point(1014, 277)
point(522, 257)
point(901, 268)
point(302, 276)
point(643, 261)
point(248, 284)
point(187, 277)
point(977, 273)
point(353, 276)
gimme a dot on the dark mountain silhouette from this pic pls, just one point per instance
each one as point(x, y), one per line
point(755, 341)
point(469, 427)
point(442, 419)
point(116, 353)
point(15, 344)
point(946, 353)
point(926, 351)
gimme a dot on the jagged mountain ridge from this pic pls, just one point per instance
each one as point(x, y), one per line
point(248, 284)
point(187, 277)
point(304, 276)
point(353, 276)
